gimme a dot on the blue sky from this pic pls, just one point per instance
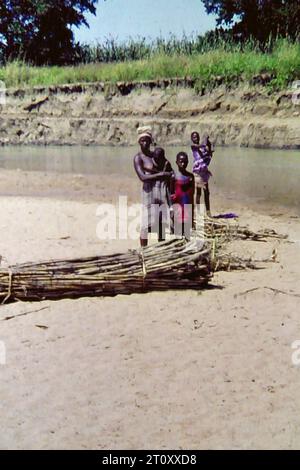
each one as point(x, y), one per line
point(145, 18)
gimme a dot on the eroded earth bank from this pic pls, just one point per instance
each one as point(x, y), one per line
point(104, 114)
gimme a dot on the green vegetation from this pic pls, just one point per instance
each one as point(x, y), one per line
point(40, 31)
point(37, 46)
point(258, 19)
point(231, 63)
point(112, 50)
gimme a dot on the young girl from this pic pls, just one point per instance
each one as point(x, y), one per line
point(202, 157)
point(183, 187)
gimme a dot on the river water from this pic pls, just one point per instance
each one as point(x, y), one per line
point(266, 176)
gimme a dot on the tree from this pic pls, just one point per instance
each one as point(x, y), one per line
point(41, 30)
point(260, 19)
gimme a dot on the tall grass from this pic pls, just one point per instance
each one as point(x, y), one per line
point(230, 63)
point(138, 49)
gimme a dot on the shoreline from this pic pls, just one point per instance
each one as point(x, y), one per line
point(87, 187)
point(133, 145)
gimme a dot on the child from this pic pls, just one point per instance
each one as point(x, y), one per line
point(202, 157)
point(183, 187)
point(160, 161)
point(161, 197)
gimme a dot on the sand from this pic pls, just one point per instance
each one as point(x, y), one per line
point(197, 370)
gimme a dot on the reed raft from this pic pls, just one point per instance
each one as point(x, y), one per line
point(174, 264)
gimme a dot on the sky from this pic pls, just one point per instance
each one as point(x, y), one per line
point(145, 18)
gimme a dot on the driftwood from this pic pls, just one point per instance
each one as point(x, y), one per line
point(36, 104)
point(221, 232)
point(272, 289)
point(227, 231)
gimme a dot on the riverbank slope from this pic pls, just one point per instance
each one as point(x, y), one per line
point(102, 113)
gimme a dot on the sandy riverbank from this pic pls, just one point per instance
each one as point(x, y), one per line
point(164, 370)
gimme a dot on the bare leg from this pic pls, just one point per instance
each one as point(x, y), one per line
point(207, 199)
point(198, 196)
point(144, 243)
point(193, 216)
point(144, 239)
point(172, 222)
point(197, 199)
point(160, 228)
point(161, 234)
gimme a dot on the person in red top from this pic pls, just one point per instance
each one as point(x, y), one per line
point(183, 188)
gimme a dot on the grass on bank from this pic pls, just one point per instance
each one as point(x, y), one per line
point(283, 63)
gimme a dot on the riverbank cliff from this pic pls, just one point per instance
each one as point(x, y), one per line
point(107, 114)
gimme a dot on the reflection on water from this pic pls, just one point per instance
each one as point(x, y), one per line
point(266, 175)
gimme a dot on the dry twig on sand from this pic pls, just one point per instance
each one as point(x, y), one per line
point(226, 231)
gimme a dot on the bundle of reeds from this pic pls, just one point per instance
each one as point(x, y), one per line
point(226, 231)
point(174, 264)
point(225, 261)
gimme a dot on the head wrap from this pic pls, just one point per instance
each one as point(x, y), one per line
point(145, 131)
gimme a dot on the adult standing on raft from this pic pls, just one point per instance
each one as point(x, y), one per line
point(155, 193)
